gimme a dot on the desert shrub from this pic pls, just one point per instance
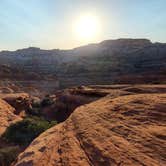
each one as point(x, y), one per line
point(25, 131)
point(46, 102)
point(66, 103)
point(37, 106)
point(58, 108)
point(72, 100)
point(34, 109)
point(8, 155)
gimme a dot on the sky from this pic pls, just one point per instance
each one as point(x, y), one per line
point(48, 24)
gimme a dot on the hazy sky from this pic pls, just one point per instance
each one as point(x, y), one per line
point(49, 23)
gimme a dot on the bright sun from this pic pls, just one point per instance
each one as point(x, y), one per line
point(87, 27)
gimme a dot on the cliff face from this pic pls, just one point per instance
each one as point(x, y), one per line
point(111, 61)
point(119, 129)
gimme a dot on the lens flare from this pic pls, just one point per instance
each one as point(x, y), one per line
point(87, 27)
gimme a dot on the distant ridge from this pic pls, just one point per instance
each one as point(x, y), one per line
point(111, 41)
point(107, 62)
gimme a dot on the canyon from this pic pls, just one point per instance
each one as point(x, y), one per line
point(109, 62)
point(99, 104)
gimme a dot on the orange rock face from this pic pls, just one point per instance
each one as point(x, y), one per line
point(20, 101)
point(7, 116)
point(128, 130)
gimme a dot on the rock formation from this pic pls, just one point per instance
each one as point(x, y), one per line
point(111, 61)
point(20, 101)
point(7, 116)
point(125, 128)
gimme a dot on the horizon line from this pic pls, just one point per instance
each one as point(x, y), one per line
point(114, 39)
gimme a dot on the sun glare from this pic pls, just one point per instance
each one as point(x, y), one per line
point(87, 27)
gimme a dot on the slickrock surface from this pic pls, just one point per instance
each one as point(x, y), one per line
point(122, 131)
point(7, 116)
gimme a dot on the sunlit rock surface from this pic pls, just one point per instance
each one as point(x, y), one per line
point(7, 116)
point(126, 128)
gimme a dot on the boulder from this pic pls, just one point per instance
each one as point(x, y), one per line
point(20, 101)
point(7, 116)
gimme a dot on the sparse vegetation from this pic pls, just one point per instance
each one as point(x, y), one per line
point(47, 101)
point(40, 116)
point(19, 135)
point(66, 104)
point(58, 109)
point(8, 155)
point(23, 132)
point(36, 106)
point(34, 110)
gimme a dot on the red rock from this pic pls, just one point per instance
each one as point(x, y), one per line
point(20, 101)
point(128, 131)
point(7, 116)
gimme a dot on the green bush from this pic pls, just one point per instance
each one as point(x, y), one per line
point(8, 155)
point(34, 109)
point(37, 106)
point(46, 102)
point(25, 131)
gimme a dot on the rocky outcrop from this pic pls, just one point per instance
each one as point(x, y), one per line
point(20, 101)
point(7, 116)
point(128, 129)
point(4, 90)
